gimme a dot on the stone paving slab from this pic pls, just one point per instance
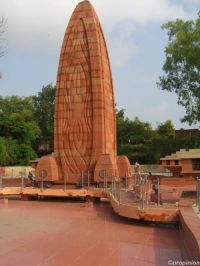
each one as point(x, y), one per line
point(82, 234)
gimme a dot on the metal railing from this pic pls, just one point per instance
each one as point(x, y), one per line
point(117, 187)
point(85, 180)
point(22, 176)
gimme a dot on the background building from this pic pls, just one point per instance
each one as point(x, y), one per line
point(183, 162)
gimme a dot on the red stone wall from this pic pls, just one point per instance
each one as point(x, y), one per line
point(189, 224)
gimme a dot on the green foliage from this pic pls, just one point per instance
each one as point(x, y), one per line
point(44, 110)
point(18, 130)
point(166, 129)
point(25, 153)
point(23, 120)
point(8, 154)
point(182, 66)
point(17, 119)
point(139, 142)
point(14, 153)
point(133, 138)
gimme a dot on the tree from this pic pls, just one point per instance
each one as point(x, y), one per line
point(133, 138)
point(44, 110)
point(182, 66)
point(139, 142)
point(18, 130)
point(166, 129)
point(8, 155)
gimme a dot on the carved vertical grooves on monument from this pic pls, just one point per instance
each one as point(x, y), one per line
point(76, 127)
point(84, 113)
point(88, 104)
point(104, 51)
point(111, 83)
point(103, 88)
point(63, 117)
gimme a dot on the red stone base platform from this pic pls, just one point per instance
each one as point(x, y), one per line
point(189, 227)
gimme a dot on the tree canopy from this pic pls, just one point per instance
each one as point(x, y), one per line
point(133, 137)
point(182, 66)
point(18, 130)
point(140, 142)
point(166, 129)
point(26, 123)
point(44, 110)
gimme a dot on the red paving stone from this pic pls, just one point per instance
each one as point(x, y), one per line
point(73, 233)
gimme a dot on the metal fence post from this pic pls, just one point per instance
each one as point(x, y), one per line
point(22, 180)
point(114, 187)
point(106, 179)
point(126, 176)
point(198, 194)
point(112, 184)
point(147, 190)
point(65, 182)
point(140, 184)
point(119, 191)
point(142, 189)
point(42, 181)
point(1, 183)
point(24, 172)
point(88, 180)
point(158, 180)
point(82, 179)
point(24, 177)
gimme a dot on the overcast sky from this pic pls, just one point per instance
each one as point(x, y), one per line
point(132, 28)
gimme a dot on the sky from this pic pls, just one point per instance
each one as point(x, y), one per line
point(136, 43)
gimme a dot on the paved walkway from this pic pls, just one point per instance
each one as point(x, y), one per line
point(80, 234)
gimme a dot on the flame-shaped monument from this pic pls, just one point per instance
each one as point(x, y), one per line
point(84, 121)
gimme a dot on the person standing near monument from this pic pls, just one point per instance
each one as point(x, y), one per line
point(137, 168)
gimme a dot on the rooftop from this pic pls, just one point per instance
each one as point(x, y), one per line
point(183, 154)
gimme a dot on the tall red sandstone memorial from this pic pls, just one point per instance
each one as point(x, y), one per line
point(84, 120)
